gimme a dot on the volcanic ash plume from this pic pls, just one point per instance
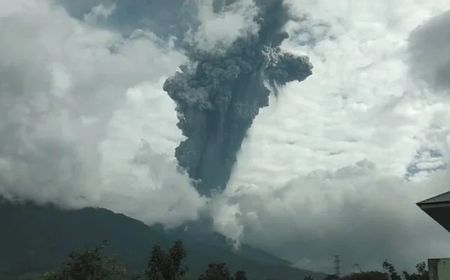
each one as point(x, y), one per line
point(219, 93)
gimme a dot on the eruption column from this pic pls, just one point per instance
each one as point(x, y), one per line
point(218, 95)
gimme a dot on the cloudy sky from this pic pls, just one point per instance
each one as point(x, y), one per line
point(334, 165)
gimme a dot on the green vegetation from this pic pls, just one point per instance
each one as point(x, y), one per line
point(93, 264)
point(89, 264)
point(167, 266)
point(390, 273)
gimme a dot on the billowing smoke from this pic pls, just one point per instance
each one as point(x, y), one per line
point(79, 107)
point(219, 93)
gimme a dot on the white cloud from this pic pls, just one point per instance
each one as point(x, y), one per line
point(219, 29)
point(99, 13)
point(139, 170)
point(359, 104)
point(65, 91)
point(150, 188)
point(356, 212)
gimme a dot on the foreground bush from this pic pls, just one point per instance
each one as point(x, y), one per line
point(88, 264)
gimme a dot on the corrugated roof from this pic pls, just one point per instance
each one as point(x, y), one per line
point(442, 198)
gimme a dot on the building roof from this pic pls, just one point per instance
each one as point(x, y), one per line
point(442, 198)
point(438, 208)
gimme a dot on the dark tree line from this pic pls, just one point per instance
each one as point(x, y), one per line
point(92, 264)
point(390, 273)
point(88, 264)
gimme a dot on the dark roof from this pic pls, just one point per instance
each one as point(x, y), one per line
point(438, 208)
point(442, 198)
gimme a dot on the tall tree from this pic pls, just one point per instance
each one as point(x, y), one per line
point(167, 266)
point(390, 269)
point(156, 264)
point(178, 254)
point(421, 274)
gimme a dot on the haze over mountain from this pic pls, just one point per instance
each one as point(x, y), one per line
point(334, 165)
point(34, 245)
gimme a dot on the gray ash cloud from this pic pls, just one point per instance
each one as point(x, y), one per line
point(219, 93)
point(429, 50)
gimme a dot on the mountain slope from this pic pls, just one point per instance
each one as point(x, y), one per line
point(34, 239)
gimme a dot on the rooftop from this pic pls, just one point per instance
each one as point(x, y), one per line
point(438, 208)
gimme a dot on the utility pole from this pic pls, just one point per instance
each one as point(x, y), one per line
point(337, 265)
